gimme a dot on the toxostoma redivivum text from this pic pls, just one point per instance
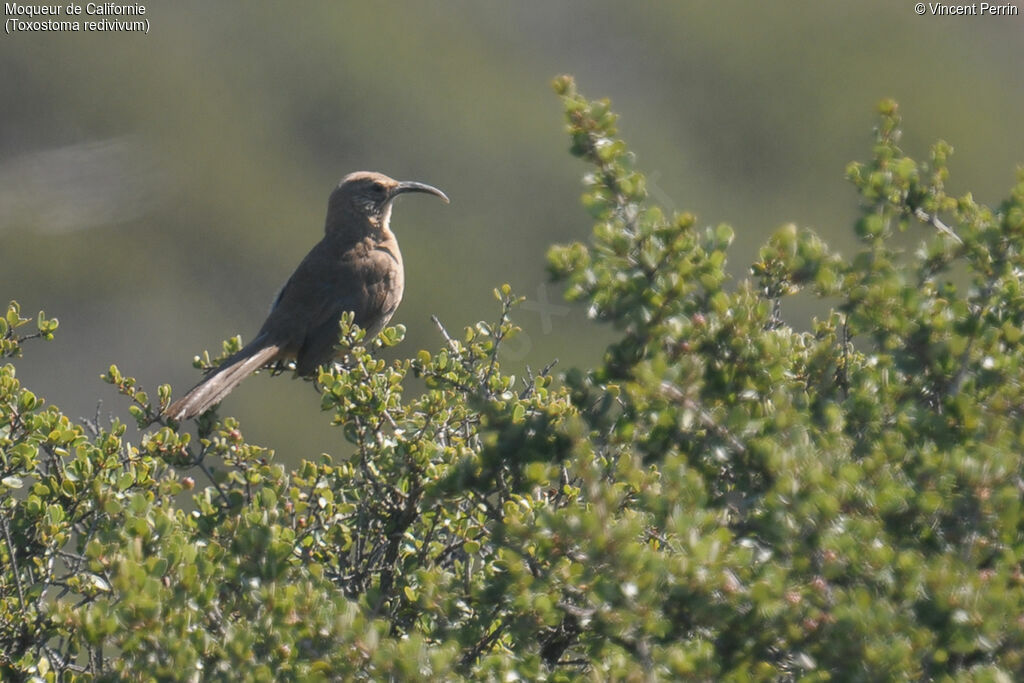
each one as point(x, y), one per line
point(356, 267)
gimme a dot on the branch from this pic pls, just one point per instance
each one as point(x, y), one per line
point(452, 344)
point(673, 393)
point(14, 562)
point(934, 221)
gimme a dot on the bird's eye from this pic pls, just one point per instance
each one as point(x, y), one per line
point(378, 189)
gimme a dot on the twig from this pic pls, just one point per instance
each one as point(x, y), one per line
point(934, 221)
point(14, 562)
point(93, 424)
point(209, 475)
point(528, 385)
point(499, 336)
point(531, 382)
point(961, 375)
point(673, 393)
point(27, 337)
point(484, 643)
point(452, 344)
point(583, 613)
point(843, 378)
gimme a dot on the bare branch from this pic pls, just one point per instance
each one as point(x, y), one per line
point(934, 221)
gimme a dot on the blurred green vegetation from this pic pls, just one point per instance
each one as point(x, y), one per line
point(231, 123)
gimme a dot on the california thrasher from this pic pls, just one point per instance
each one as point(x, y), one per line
point(356, 267)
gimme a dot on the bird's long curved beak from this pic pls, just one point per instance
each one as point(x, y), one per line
point(411, 186)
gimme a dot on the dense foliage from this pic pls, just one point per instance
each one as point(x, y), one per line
point(724, 496)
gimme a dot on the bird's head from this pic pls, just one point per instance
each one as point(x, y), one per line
point(369, 196)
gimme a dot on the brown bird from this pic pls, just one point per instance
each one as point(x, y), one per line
point(356, 267)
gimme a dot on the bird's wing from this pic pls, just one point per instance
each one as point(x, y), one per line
point(371, 288)
point(329, 282)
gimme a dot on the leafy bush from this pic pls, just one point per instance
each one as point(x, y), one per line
point(722, 497)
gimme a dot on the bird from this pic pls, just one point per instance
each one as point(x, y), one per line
point(355, 268)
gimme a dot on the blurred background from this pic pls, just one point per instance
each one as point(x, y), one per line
point(156, 190)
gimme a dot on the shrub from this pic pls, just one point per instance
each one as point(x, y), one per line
point(722, 497)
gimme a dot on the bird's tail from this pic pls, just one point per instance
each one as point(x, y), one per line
point(219, 384)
